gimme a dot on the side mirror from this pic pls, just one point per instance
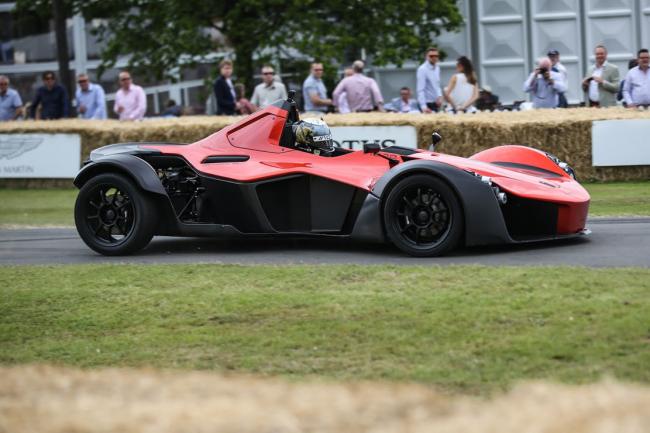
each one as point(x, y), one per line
point(371, 148)
point(435, 139)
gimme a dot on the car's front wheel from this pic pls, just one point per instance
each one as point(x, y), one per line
point(422, 216)
point(113, 216)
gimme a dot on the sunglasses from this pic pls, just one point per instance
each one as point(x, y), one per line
point(268, 73)
point(125, 79)
point(82, 81)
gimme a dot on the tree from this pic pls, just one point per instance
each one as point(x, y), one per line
point(163, 35)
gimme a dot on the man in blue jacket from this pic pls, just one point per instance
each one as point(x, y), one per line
point(52, 98)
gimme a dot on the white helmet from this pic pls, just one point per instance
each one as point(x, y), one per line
point(313, 135)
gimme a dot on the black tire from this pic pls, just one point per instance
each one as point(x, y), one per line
point(113, 216)
point(423, 217)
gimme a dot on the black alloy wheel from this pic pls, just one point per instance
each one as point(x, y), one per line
point(422, 216)
point(113, 216)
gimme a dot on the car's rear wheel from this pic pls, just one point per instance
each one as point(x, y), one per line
point(113, 216)
point(422, 216)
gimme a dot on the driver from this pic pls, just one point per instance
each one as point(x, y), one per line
point(313, 136)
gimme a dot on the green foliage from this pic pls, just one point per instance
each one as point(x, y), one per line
point(467, 328)
point(163, 35)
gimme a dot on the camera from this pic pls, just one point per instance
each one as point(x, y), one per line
point(543, 71)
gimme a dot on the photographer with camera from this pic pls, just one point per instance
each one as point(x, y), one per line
point(545, 85)
point(601, 85)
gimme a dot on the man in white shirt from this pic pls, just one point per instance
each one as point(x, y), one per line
point(428, 89)
point(601, 84)
point(636, 89)
point(269, 90)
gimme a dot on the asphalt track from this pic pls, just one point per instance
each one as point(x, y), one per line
point(613, 242)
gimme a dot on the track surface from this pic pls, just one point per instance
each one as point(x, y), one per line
point(614, 242)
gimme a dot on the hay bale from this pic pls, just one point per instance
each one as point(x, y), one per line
point(565, 133)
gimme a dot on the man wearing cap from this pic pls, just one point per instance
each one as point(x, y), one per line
point(554, 57)
point(601, 85)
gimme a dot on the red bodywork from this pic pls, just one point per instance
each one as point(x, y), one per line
point(520, 171)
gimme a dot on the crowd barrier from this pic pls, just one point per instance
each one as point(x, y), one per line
point(566, 133)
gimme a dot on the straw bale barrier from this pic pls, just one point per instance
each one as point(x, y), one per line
point(565, 133)
point(62, 400)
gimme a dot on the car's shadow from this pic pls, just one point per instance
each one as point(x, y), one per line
point(309, 249)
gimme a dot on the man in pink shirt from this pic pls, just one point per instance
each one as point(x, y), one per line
point(130, 100)
point(363, 92)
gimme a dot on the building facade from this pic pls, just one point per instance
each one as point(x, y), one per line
point(505, 37)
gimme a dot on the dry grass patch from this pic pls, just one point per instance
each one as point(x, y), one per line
point(60, 400)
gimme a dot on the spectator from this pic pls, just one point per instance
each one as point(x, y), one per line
point(486, 99)
point(244, 105)
point(544, 84)
point(554, 57)
point(52, 98)
point(269, 90)
point(637, 82)
point(224, 91)
point(91, 101)
point(363, 92)
point(342, 103)
point(619, 96)
point(172, 109)
point(11, 106)
point(314, 93)
point(601, 84)
point(462, 90)
point(403, 104)
point(130, 99)
point(428, 83)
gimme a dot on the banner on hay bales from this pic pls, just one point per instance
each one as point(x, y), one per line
point(620, 142)
point(39, 155)
point(354, 137)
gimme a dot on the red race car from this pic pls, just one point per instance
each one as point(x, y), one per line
point(272, 174)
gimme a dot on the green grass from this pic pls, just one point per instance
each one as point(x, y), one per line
point(39, 207)
point(619, 198)
point(466, 329)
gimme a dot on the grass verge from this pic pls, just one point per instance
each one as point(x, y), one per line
point(619, 199)
point(39, 207)
point(468, 328)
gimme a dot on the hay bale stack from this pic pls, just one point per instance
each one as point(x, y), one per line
point(565, 133)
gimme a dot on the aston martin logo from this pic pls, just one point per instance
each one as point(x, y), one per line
point(12, 146)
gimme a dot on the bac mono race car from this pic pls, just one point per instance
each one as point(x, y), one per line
point(272, 174)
